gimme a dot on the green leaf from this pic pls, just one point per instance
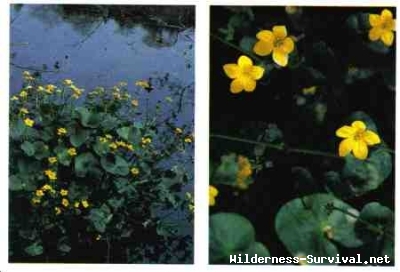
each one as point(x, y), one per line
point(354, 74)
point(375, 227)
point(378, 47)
point(115, 164)
point(86, 164)
point(62, 155)
point(257, 248)
point(226, 172)
point(80, 136)
point(247, 43)
point(116, 203)
point(363, 176)
point(16, 183)
point(64, 248)
point(34, 249)
point(230, 233)
point(100, 217)
point(28, 148)
point(24, 182)
point(313, 224)
point(89, 119)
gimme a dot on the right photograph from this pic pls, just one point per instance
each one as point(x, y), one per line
point(302, 135)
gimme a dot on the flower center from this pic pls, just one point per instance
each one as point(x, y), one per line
point(246, 70)
point(278, 43)
point(359, 135)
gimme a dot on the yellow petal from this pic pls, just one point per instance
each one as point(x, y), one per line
point(371, 138)
point(387, 38)
point(231, 70)
point(374, 19)
point(244, 61)
point(346, 146)
point(360, 150)
point(266, 36)
point(346, 132)
point(263, 48)
point(249, 84)
point(280, 57)
point(257, 72)
point(375, 33)
point(279, 32)
point(359, 125)
point(394, 25)
point(212, 191)
point(236, 86)
point(211, 201)
point(287, 45)
point(386, 14)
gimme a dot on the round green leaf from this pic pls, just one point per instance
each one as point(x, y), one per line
point(34, 249)
point(230, 233)
point(115, 165)
point(85, 164)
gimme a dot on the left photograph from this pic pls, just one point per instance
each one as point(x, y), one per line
point(101, 158)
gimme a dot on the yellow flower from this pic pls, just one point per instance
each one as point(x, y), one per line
point(129, 147)
point(39, 193)
point(178, 131)
point(36, 200)
point(108, 136)
point(29, 122)
point(310, 90)
point(244, 74)
point(276, 42)
point(76, 204)
point(212, 194)
point(14, 98)
point(383, 26)
point(65, 202)
point(135, 102)
point(71, 151)
point(40, 89)
point(52, 160)
point(50, 88)
point(63, 192)
point(61, 131)
point(120, 143)
point(103, 140)
point(68, 82)
point(47, 187)
point(26, 74)
point(51, 174)
point(188, 140)
point(23, 94)
point(24, 111)
point(135, 171)
point(98, 237)
point(142, 83)
point(76, 92)
point(244, 171)
point(357, 139)
point(85, 203)
point(146, 140)
point(113, 146)
point(57, 210)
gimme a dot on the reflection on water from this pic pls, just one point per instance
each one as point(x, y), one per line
point(103, 45)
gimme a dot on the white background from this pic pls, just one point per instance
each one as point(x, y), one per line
point(201, 139)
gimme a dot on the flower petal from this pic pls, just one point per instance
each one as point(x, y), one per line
point(346, 146)
point(387, 38)
point(287, 45)
point(212, 191)
point(257, 72)
point(371, 138)
point(266, 36)
point(374, 19)
point(346, 132)
point(394, 25)
point(280, 57)
point(236, 86)
point(386, 14)
point(211, 201)
point(375, 33)
point(232, 70)
point(360, 150)
point(359, 125)
point(279, 32)
point(263, 48)
point(249, 84)
point(244, 61)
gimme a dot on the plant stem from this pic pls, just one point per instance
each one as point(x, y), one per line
point(277, 147)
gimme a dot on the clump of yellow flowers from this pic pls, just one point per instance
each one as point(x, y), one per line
point(244, 171)
point(383, 27)
point(357, 138)
point(244, 74)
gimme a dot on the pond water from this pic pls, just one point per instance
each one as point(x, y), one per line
point(100, 51)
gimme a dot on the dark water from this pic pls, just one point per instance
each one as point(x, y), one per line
point(102, 51)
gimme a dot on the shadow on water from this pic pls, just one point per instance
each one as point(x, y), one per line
point(103, 45)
